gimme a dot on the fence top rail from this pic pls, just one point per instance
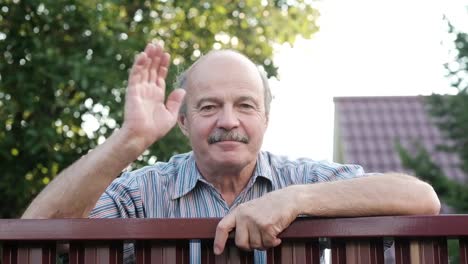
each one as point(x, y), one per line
point(204, 228)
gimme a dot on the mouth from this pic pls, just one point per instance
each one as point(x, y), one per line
point(228, 145)
point(227, 141)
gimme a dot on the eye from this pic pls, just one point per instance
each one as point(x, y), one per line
point(207, 108)
point(246, 106)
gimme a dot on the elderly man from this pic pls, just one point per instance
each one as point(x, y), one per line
point(224, 115)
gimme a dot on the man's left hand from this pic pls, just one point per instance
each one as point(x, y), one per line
point(258, 223)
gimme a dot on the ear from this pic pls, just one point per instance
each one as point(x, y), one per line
point(267, 120)
point(182, 122)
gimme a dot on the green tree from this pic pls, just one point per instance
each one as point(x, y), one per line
point(64, 66)
point(450, 113)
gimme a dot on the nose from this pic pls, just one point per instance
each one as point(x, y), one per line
point(228, 118)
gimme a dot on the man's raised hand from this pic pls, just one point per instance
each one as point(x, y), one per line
point(147, 118)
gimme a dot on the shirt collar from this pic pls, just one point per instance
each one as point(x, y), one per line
point(187, 177)
point(263, 168)
point(188, 174)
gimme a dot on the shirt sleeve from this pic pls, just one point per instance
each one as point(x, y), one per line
point(330, 171)
point(122, 199)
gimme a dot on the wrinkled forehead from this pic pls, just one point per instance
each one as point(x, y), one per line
point(224, 69)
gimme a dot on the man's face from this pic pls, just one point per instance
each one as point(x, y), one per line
point(225, 119)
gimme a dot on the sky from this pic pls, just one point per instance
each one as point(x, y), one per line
point(363, 48)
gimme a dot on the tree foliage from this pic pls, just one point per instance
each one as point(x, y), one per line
point(64, 66)
point(450, 114)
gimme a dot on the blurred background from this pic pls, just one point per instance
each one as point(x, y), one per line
point(378, 83)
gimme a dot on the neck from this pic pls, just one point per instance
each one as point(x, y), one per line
point(227, 180)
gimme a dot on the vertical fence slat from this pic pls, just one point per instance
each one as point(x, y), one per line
point(162, 252)
point(116, 252)
point(142, 252)
point(91, 252)
point(427, 251)
point(351, 252)
point(76, 253)
point(357, 251)
point(231, 254)
point(463, 249)
point(440, 247)
point(29, 253)
point(297, 251)
point(402, 251)
point(377, 251)
point(338, 251)
point(274, 255)
point(207, 255)
point(10, 253)
point(49, 254)
point(23, 255)
point(433, 251)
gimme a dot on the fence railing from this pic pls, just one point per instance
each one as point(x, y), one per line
point(417, 239)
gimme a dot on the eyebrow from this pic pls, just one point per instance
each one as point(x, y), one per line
point(247, 98)
point(217, 100)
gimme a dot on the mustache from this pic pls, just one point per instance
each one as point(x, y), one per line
point(227, 135)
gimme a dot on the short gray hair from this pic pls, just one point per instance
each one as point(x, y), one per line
point(182, 81)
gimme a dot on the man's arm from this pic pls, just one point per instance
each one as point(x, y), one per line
point(74, 192)
point(259, 222)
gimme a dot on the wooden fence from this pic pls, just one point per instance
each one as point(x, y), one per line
point(417, 239)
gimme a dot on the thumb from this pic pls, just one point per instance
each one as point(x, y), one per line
point(174, 101)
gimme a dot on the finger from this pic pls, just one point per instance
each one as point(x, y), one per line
point(135, 75)
point(270, 241)
point(174, 101)
point(164, 65)
point(155, 53)
point(161, 83)
point(162, 77)
point(226, 225)
point(255, 238)
point(243, 236)
point(150, 49)
point(145, 69)
point(158, 51)
point(165, 58)
point(269, 237)
point(154, 70)
point(155, 57)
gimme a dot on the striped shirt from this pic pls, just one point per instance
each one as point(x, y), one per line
point(176, 189)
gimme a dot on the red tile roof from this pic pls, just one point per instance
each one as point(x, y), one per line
point(369, 127)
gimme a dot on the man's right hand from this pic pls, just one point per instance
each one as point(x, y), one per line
point(74, 192)
point(147, 119)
